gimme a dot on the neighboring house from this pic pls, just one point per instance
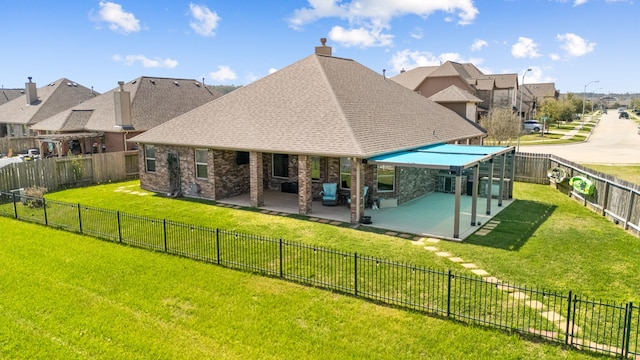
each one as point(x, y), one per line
point(37, 104)
point(458, 100)
point(535, 94)
point(7, 95)
point(316, 121)
point(494, 90)
point(107, 121)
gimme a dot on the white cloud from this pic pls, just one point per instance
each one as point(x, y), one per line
point(204, 20)
point(478, 45)
point(579, 2)
point(574, 45)
point(407, 59)
point(223, 74)
point(417, 33)
point(118, 19)
point(555, 57)
point(272, 70)
point(525, 48)
point(359, 37)
point(146, 62)
point(368, 18)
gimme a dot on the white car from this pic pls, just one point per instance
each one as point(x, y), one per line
point(532, 125)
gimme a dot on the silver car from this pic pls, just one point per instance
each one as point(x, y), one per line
point(532, 125)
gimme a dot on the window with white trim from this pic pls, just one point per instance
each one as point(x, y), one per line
point(201, 158)
point(386, 178)
point(280, 165)
point(150, 158)
point(345, 173)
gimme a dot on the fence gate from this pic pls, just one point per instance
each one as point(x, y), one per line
point(173, 165)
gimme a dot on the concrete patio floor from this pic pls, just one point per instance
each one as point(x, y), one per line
point(431, 215)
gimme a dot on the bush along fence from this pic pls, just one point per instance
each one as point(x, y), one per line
point(564, 318)
point(616, 199)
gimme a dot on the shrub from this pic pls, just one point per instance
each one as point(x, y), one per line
point(34, 196)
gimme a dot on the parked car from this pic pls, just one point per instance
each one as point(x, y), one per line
point(532, 125)
point(623, 115)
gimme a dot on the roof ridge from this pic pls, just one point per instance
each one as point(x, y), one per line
point(335, 99)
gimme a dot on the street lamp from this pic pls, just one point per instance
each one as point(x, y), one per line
point(520, 111)
point(584, 96)
point(593, 94)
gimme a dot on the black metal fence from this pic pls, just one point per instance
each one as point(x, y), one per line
point(565, 318)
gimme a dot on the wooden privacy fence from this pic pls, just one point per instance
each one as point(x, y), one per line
point(617, 199)
point(57, 173)
point(17, 145)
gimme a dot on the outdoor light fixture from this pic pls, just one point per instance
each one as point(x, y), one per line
point(584, 98)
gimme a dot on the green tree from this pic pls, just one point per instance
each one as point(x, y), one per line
point(502, 125)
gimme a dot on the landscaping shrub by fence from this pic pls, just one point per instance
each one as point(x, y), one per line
point(57, 173)
point(565, 318)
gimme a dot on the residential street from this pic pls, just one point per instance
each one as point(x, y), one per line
point(613, 141)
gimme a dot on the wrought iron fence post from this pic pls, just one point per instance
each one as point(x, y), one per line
point(80, 217)
point(355, 274)
point(15, 208)
point(566, 333)
point(119, 227)
point(449, 276)
point(281, 257)
point(44, 209)
point(164, 228)
point(626, 334)
point(218, 245)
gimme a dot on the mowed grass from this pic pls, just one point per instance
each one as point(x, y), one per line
point(630, 173)
point(67, 296)
point(544, 239)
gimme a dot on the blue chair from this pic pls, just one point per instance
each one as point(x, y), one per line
point(329, 194)
point(366, 191)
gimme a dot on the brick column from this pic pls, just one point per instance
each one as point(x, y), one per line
point(305, 187)
point(255, 178)
point(357, 175)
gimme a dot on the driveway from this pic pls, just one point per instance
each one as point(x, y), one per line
point(612, 141)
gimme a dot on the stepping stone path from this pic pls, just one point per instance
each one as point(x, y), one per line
point(552, 316)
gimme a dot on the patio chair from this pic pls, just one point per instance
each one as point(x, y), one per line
point(329, 194)
point(366, 192)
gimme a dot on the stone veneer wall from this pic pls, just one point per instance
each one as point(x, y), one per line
point(231, 179)
point(412, 182)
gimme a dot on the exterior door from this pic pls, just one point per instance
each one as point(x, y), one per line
point(173, 165)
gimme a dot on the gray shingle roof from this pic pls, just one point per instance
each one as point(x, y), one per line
point(7, 95)
point(53, 98)
point(153, 102)
point(541, 90)
point(320, 105)
point(413, 78)
point(454, 94)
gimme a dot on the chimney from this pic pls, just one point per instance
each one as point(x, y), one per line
point(324, 49)
point(31, 91)
point(122, 101)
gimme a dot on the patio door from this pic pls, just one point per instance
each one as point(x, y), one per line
point(173, 166)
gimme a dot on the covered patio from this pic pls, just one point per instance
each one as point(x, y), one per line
point(431, 215)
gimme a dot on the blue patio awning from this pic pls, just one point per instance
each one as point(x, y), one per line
point(442, 156)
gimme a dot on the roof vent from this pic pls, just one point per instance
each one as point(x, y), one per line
point(134, 81)
point(176, 83)
point(197, 84)
point(68, 84)
point(74, 84)
point(153, 81)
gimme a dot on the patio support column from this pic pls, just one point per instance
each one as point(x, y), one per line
point(474, 194)
point(489, 186)
point(513, 173)
point(501, 186)
point(357, 185)
point(305, 190)
point(255, 179)
point(456, 208)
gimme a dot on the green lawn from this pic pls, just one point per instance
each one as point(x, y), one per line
point(544, 238)
point(630, 173)
point(66, 296)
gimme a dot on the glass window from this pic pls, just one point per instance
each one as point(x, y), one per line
point(386, 178)
point(201, 163)
point(315, 168)
point(345, 173)
point(281, 165)
point(150, 157)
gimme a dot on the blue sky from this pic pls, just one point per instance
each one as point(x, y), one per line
point(97, 43)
